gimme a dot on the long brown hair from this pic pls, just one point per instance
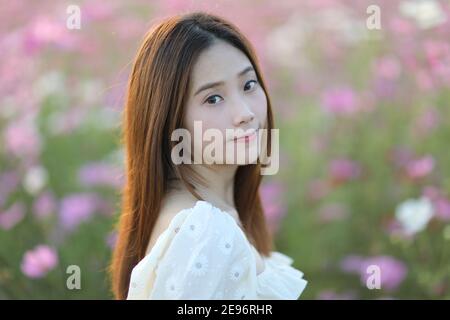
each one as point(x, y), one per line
point(156, 96)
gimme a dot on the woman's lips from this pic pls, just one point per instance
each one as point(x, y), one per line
point(247, 138)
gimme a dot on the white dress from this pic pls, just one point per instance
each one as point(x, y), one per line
point(204, 255)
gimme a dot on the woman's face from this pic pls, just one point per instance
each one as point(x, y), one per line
point(225, 95)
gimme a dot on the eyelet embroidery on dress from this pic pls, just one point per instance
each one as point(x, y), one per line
point(172, 287)
point(226, 244)
point(237, 272)
point(218, 237)
point(194, 229)
point(200, 266)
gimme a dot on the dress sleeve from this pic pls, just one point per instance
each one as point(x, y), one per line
point(207, 256)
point(283, 281)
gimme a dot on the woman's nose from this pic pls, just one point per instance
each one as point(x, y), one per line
point(243, 114)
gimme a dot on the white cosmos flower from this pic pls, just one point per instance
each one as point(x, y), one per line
point(49, 83)
point(414, 214)
point(427, 14)
point(35, 179)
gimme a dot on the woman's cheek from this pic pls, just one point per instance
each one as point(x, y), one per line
point(260, 107)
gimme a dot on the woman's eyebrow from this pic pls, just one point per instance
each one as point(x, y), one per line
point(219, 83)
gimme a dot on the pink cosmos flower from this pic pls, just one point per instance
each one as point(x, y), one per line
point(12, 216)
point(38, 262)
point(101, 174)
point(340, 101)
point(77, 208)
point(44, 205)
point(8, 183)
point(392, 271)
point(419, 168)
point(343, 170)
point(440, 201)
point(22, 139)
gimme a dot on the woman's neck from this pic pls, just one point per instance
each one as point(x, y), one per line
point(219, 189)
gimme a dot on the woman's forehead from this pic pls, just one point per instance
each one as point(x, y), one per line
point(220, 62)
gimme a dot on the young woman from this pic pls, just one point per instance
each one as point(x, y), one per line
point(196, 231)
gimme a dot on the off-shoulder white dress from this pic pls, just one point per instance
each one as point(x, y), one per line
point(204, 255)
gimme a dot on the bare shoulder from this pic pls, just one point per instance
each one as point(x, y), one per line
point(172, 204)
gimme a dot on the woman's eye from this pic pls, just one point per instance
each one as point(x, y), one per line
point(249, 85)
point(212, 99)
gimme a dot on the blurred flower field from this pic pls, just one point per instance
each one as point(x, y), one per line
point(364, 119)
